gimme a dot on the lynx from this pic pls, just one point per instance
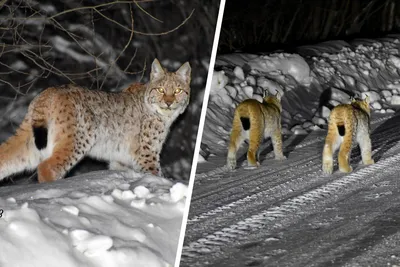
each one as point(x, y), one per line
point(255, 121)
point(346, 123)
point(127, 129)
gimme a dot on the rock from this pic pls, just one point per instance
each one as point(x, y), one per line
point(395, 100)
point(325, 112)
point(376, 106)
point(386, 93)
point(373, 96)
point(248, 91)
point(318, 121)
point(238, 71)
point(307, 124)
point(231, 91)
point(339, 95)
point(334, 102)
point(257, 97)
point(251, 80)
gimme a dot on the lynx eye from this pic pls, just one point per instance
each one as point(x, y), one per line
point(161, 90)
point(178, 91)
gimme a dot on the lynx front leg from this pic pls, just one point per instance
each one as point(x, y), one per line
point(365, 146)
point(149, 161)
point(277, 144)
point(70, 146)
point(151, 141)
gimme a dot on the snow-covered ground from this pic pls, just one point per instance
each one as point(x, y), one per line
point(97, 219)
point(288, 213)
point(313, 82)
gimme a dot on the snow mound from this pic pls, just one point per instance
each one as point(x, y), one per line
point(90, 221)
point(283, 64)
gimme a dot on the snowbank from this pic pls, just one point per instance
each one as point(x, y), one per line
point(313, 81)
point(98, 219)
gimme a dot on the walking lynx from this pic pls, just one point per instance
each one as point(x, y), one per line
point(128, 128)
point(346, 123)
point(255, 121)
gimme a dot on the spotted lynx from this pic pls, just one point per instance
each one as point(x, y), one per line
point(255, 121)
point(346, 123)
point(127, 129)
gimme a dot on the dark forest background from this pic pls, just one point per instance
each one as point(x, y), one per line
point(104, 45)
point(260, 25)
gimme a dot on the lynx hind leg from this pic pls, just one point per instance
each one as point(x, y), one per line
point(345, 149)
point(332, 142)
point(236, 140)
point(276, 138)
point(69, 143)
point(255, 137)
point(19, 153)
point(364, 141)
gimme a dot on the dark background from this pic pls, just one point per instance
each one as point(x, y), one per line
point(258, 26)
point(43, 44)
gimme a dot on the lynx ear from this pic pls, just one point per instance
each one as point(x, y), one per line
point(157, 70)
point(184, 72)
point(366, 99)
point(278, 95)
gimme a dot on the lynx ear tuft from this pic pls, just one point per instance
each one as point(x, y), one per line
point(184, 72)
point(157, 70)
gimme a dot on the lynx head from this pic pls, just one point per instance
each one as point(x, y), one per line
point(273, 99)
point(361, 104)
point(168, 92)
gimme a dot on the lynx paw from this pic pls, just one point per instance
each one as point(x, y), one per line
point(231, 163)
point(158, 172)
point(280, 157)
point(252, 165)
point(346, 169)
point(327, 167)
point(369, 162)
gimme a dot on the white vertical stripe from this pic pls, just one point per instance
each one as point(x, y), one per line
point(200, 132)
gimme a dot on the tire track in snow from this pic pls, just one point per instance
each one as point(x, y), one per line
point(254, 180)
point(235, 206)
point(294, 206)
point(295, 182)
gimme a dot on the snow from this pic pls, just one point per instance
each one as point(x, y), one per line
point(102, 218)
point(312, 82)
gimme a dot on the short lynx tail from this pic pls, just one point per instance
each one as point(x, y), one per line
point(341, 130)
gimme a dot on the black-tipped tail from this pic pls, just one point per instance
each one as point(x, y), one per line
point(40, 135)
point(342, 130)
point(245, 123)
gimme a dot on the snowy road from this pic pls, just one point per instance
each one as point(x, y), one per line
point(290, 214)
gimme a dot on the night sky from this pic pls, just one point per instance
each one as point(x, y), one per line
point(262, 26)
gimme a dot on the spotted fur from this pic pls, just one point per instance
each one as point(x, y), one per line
point(347, 122)
point(128, 129)
point(255, 121)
